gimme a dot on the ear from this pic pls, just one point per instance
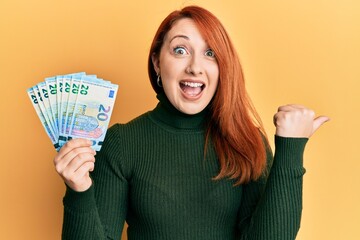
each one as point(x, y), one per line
point(156, 62)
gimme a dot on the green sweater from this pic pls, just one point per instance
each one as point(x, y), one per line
point(151, 173)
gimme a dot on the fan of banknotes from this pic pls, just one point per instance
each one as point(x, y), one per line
point(74, 106)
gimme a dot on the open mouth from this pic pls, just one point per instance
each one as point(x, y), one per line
point(192, 89)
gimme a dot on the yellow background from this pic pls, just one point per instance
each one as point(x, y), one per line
point(292, 51)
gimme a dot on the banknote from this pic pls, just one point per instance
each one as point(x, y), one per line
point(72, 97)
point(92, 111)
point(64, 83)
point(45, 105)
point(74, 105)
point(52, 91)
point(69, 94)
point(35, 102)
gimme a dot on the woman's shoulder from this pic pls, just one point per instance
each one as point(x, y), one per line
point(130, 128)
point(122, 141)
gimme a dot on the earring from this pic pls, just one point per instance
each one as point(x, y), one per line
point(158, 81)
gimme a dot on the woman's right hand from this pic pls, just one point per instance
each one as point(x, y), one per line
point(73, 163)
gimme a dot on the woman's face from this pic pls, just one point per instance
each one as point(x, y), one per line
point(188, 68)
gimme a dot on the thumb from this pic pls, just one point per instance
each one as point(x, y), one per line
point(318, 122)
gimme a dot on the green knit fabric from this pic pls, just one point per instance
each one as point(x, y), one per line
point(151, 173)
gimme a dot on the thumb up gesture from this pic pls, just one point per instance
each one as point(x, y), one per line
point(297, 121)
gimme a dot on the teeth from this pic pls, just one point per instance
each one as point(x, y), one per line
point(193, 84)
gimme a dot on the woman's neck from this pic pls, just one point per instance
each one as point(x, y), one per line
point(167, 114)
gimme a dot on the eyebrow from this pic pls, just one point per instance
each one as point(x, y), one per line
point(180, 36)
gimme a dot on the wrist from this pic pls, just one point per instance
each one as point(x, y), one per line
point(289, 151)
point(80, 201)
point(82, 187)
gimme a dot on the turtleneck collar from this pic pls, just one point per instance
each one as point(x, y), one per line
point(167, 114)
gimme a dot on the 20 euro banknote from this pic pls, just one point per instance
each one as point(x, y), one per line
point(74, 106)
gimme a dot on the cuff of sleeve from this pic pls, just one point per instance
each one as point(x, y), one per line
point(80, 201)
point(289, 151)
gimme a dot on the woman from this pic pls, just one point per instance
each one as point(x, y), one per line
point(197, 166)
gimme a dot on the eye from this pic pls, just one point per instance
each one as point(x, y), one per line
point(179, 50)
point(210, 53)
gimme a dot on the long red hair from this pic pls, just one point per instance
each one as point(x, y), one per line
point(234, 128)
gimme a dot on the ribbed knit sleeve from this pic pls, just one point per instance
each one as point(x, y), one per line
point(99, 212)
point(271, 210)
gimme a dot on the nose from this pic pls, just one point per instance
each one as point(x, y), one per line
point(194, 66)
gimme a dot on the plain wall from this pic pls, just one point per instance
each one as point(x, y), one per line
point(305, 52)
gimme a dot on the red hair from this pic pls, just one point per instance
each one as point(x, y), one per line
point(235, 128)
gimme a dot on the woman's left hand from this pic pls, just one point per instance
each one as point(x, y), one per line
point(297, 121)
